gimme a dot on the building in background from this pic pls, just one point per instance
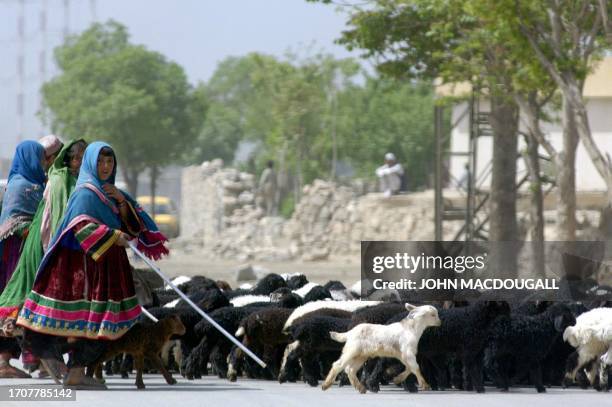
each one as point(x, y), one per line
point(597, 92)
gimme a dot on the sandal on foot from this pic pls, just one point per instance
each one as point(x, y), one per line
point(11, 372)
point(52, 368)
point(86, 383)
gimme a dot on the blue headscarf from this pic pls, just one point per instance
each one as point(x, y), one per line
point(27, 162)
point(26, 183)
point(88, 197)
point(90, 200)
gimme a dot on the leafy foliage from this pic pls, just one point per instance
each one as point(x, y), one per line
point(125, 94)
point(296, 108)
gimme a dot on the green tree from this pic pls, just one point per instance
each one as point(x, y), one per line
point(567, 38)
point(310, 113)
point(235, 109)
point(131, 97)
point(429, 39)
point(388, 115)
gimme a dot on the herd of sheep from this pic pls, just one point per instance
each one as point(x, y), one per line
point(310, 332)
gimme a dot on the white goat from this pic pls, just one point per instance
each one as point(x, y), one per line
point(398, 340)
point(591, 336)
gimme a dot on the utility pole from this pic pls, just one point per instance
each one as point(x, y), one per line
point(92, 9)
point(21, 70)
point(43, 65)
point(66, 19)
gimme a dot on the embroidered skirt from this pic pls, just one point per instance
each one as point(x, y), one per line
point(77, 296)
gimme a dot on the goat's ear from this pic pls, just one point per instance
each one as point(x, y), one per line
point(412, 314)
point(410, 307)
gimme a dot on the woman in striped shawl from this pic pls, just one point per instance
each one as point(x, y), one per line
point(83, 294)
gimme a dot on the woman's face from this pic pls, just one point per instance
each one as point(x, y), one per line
point(76, 158)
point(105, 167)
point(47, 161)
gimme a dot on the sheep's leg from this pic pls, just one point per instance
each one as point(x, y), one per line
point(98, 373)
point(268, 355)
point(474, 369)
point(412, 366)
point(157, 362)
point(197, 360)
point(375, 376)
point(290, 361)
point(235, 362)
point(310, 367)
point(139, 365)
point(108, 367)
point(592, 374)
point(125, 366)
point(352, 369)
point(603, 377)
point(535, 374)
point(219, 359)
point(165, 352)
point(583, 359)
point(337, 367)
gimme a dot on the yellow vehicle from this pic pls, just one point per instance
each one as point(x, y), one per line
point(166, 215)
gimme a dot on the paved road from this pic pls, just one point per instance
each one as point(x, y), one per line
point(246, 393)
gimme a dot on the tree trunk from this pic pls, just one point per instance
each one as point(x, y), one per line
point(571, 87)
point(154, 174)
point(334, 163)
point(131, 179)
point(503, 225)
point(566, 178)
point(572, 95)
point(282, 188)
point(536, 213)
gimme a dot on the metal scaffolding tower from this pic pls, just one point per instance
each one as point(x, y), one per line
point(475, 212)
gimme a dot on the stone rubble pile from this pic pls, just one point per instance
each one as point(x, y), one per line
point(220, 215)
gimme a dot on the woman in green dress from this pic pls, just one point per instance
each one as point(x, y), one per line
point(61, 182)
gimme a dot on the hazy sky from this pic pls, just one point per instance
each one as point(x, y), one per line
point(197, 34)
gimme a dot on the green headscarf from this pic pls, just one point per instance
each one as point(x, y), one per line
point(61, 184)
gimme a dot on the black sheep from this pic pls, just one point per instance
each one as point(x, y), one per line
point(334, 285)
point(317, 293)
point(291, 367)
point(261, 332)
point(378, 314)
point(268, 284)
point(296, 282)
point(524, 342)
point(208, 300)
point(197, 283)
point(315, 346)
point(211, 340)
point(210, 337)
point(265, 286)
point(461, 336)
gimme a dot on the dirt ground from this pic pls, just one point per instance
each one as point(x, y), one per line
point(344, 269)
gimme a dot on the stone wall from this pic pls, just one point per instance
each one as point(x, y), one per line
point(211, 195)
point(219, 214)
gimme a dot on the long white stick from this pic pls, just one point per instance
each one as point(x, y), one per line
point(195, 307)
point(148, 314)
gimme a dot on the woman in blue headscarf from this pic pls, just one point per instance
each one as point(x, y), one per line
point(26, 183)
point(84, 288)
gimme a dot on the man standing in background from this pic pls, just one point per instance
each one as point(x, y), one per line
point(267, 188)
point(390, 175)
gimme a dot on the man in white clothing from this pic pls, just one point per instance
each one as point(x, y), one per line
point(390, 175)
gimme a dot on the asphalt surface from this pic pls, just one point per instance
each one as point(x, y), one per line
point(211, 391)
